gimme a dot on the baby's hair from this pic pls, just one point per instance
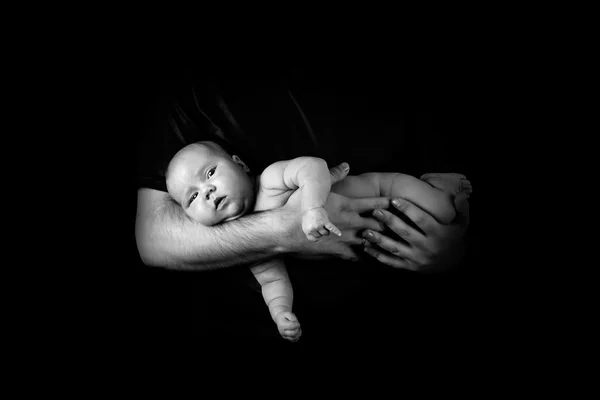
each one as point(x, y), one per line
point(216, 145)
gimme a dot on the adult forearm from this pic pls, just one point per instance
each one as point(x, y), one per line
point(167, 238)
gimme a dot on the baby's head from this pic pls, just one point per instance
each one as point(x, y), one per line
point(211, 185)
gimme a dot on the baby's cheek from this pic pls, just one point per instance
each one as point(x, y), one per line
point(235, 208)
point(233, 211)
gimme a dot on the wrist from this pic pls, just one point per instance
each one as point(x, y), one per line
point(312, 208)
point(286, 222)
point(279, 309)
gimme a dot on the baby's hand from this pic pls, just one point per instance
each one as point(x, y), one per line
point(316, 224)
point(288, 326)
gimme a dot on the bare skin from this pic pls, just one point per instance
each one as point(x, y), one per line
point(435, 248)
point(436, 197)
point(421, 249)
point(214, 187)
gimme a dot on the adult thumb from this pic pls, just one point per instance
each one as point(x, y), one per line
point(339, 172)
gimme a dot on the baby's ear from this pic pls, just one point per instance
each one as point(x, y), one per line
point(240, 163)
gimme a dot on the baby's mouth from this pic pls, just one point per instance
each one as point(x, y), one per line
point(219, 201)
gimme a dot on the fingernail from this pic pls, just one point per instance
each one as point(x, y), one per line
point(369, 251)
point(378, 214)
point(369, 234)
point(395, 202)
point(345, 166)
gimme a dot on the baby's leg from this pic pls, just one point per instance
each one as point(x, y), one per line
point(449, 183)
point(452, 184)
point(438, 203)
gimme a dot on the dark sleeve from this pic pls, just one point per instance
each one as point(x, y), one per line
point(176, 114)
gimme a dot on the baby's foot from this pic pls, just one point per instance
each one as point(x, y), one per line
point(288, 326)
point(450, 183)
point(316, 224)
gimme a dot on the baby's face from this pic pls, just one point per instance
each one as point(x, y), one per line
point(210, 186)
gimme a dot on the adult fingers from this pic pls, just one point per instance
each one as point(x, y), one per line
point(393, 247)
point(360, 223)
point(339, 172)
point(355, 241)
point(402, 229)
point(423, 220)
point(363, 204)
point(395, 262)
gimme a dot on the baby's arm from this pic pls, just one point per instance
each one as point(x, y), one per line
point(311, 176)
point(279, 296)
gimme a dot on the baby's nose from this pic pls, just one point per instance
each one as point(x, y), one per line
point(208, 191)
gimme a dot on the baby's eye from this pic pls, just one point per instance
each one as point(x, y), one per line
point(193, 197)
point(211, 172)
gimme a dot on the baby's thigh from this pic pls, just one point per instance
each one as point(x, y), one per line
point(435, 202)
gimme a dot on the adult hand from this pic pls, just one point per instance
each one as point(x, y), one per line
point(431, 249)
point(344, 213)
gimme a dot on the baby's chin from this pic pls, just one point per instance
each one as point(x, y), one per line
point(236, 209)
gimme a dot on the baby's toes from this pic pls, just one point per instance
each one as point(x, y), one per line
point(465, 185)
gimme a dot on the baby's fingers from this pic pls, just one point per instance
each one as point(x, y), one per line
point(289, 325)
point(293, 330)
point(312, 237)
point(292, 338)
point(291, 317)
point(323, 231)
point(332, 228)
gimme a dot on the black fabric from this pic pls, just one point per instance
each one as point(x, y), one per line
point(259, 121)
point(272, 119)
